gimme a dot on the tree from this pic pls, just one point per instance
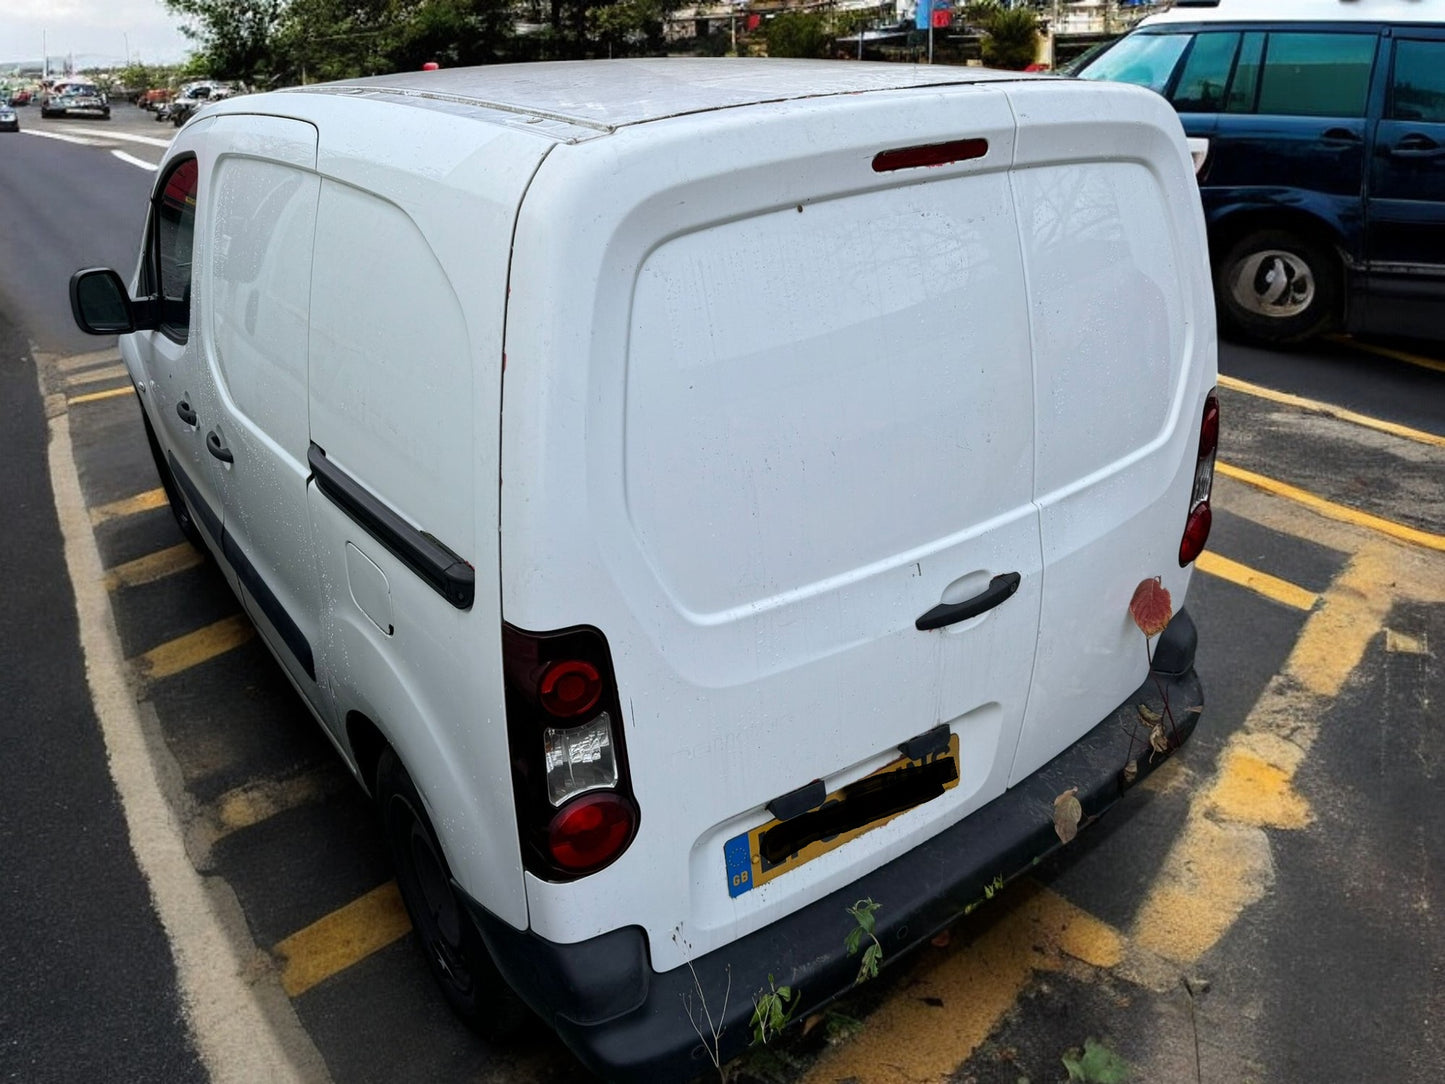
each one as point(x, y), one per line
point(1011, 39)
point(799, 34)
point(235, 36)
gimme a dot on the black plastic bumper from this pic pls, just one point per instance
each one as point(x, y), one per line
point(629, 1023)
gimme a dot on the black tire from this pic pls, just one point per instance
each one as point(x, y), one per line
point(448, 938)
point(173, 493)
point(1277, 287)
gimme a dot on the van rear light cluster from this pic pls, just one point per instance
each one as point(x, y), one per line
point(1200, 519)
point(575, 808)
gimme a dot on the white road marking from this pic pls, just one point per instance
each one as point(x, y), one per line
point(245, 1028)
point(122, 137)
point(63, 138)
point(133, 160)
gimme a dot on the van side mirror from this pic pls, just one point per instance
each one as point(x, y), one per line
point(101, 304)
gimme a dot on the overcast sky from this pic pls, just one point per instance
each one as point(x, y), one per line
point(95, 31)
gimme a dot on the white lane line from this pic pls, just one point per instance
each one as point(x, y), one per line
point(133, 160)
point(122, 137)
point(244, 1026)
point(63, 138)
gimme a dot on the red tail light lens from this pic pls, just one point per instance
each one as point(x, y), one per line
point(586, 834)
point(1196, 533)
point(575, 808)
point(1200, 518)
point(570, 688)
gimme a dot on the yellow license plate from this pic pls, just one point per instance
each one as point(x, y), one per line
point(758, 855)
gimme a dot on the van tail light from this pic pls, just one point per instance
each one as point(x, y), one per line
point(575, 809)
point(1200, 518)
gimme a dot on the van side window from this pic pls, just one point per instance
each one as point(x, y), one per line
point(1206, 74)
point(1245, 86)
point(1417, 91)
point(1317, 75)
point(175, 226)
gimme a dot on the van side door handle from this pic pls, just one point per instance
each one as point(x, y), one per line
point(999, 589)
point(183, 408)
point(217, 447)
point(1341, 135)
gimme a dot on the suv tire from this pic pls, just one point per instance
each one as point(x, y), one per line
point(1275, 286)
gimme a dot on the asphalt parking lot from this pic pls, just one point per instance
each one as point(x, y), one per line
point(1262, 909)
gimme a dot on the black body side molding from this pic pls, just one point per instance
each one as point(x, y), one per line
point(447, 573)
point(246, 572)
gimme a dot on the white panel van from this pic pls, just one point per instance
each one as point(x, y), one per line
point(694, 496)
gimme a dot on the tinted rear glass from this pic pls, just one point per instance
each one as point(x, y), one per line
point(1316, 75)
point(1418, 89)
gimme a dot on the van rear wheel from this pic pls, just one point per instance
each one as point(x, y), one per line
point(449, 940)
point(1276, 287)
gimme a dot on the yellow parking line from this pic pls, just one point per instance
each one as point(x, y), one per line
point(259, 801)
point(1261, 583)
point(1333, 510)
point(341, 939)
point(84, 361)
point(96, 396)
point(129, 506)
point(195, 648)
point(153, 566)
point(1390, 352)
point(1329, 409)
point(955, 998)
point(93, 376)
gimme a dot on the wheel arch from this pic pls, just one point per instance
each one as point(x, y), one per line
point(1228, 227)
point(367, 743)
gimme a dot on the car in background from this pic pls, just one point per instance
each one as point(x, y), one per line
point(190, 98)
point(1319, 128)
point(9, 120)
point(154, 98)
point(20, 97)
point(75, 100)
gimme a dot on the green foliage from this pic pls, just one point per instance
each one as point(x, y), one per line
point(799, 34)
point(772, 1009)
point(235, 36)
point(1095, 1064)
point(863, 912)
point(1011, 39)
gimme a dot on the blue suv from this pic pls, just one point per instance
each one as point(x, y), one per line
point(1319, 128)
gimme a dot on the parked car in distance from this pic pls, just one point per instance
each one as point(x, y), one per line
point(9, 120)
point(75, 99)
point(1323, 174)
point(20, 97)
point(847, 408)
point(154, 98)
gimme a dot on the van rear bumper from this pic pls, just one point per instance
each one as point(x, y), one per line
point(627, 1022)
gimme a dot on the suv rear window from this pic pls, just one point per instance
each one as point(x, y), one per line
point(1418, 89)
point(1316, 75)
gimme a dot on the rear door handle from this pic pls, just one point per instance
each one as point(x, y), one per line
point(217, 447)
point(183, 408)
point(1416, 145)
point(1341, 135)
point(999, 589)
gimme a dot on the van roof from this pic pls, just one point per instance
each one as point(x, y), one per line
point(606, 94)
point(1288, 11)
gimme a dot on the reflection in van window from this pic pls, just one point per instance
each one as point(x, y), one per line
point(1418, 90)
point(1317, 75)
point(1245, 85)
point(1146, 60)
point(175, 210)
point(1206, 73)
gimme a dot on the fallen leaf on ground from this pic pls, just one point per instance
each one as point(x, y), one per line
point(1067, 814)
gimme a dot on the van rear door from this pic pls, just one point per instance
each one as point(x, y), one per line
point(1122, 322)
point(763, 410)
